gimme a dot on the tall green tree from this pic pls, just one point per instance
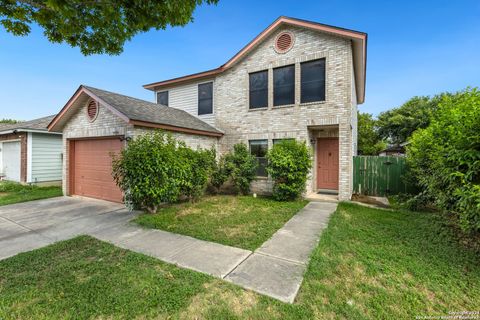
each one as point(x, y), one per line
point(398, 124)
point(369, 141)
point(101, 26)
point(445, 157)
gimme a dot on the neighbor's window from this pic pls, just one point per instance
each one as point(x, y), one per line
point(259, 148)
point(259, 89)
point(284, 85)
point(205, 98)
point(313, 81)
point(162, 98)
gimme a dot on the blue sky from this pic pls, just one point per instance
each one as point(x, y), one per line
point(414, 48)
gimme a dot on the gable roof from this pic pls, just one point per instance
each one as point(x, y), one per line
point(137, 112)
point(34, 125)
point(359, 46)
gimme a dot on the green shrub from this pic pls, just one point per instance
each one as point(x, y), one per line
point(220, 174)
point(289, 162)
point(155, 168)
point(445, 157)
point(199, 168)
point(241, 166)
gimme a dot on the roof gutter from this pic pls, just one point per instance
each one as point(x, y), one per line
point(27, 130)
point(175, 128)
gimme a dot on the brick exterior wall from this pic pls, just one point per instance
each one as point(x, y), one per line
point(22, 136)
point(300, 121)
point(193, 141)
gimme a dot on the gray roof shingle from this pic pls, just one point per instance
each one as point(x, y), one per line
point(141, 110)
point(35, 124)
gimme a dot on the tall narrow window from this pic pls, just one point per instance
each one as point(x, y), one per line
point(313, 81)
point(162, 98)
point(284, 85)
point(259, 89)
point(259, 148)
point(205, 98)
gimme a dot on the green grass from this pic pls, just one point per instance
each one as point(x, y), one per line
point(369, 264)
point(11, 192)
point(244, 221)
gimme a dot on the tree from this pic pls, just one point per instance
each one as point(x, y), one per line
point(8, 121)
point(445, 157)
point(95, 27)
point(369, 141)
point(398, 124)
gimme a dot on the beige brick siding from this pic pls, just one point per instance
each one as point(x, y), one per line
point(298, 121)
point(193, 141)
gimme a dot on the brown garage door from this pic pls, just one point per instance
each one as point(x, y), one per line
point(91, 169)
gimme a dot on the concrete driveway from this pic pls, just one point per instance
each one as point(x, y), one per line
point(31, 225)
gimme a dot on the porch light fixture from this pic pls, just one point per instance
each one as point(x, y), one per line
point(313, 141)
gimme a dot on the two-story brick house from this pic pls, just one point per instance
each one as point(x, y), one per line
point(296, 80)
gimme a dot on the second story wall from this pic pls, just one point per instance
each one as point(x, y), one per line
point(185, 97)
point(233, 115)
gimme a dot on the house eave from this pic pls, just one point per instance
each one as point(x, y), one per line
point(167, 127)
point(359, 45)
point(27, 130)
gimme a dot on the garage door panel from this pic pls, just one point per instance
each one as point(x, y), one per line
point(93, 169)
point(11, 160)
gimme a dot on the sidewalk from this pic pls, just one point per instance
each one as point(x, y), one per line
point(275, 269)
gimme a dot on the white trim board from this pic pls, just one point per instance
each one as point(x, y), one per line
point(29, 157)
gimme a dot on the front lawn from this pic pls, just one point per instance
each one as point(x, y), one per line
point(11, 192)
point(244, 221)
point(369, 264)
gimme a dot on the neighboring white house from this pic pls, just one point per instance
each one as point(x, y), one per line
point(29, 153)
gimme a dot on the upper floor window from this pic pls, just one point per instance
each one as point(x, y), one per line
point(258, 89)
point(259, 148)
point(313, 81)
point(162, 98)
point(205, 98)
point(284, 85)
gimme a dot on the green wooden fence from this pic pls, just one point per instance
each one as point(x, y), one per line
point(379, 176)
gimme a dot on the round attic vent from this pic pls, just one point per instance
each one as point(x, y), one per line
point(284, 42)
point(92, 110)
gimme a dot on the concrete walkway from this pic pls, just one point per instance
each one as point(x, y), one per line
point(275, 269)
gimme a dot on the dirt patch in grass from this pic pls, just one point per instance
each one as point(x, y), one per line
point(3, 194)
point(368, 200)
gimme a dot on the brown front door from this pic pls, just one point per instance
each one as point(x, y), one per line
point(91, 172)
point(327, 163)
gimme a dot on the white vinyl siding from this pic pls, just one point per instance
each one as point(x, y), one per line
point(186, 98)
point(46, 157)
